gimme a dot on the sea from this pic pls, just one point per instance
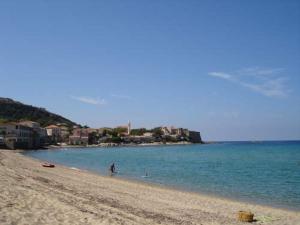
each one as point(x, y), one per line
point(266, 172)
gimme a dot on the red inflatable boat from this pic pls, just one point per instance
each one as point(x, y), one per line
point(48, 165)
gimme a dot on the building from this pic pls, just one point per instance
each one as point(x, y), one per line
point(166, 130)
point(39, 133)
point(194, 136)
point(172, 131)
point(29, 123)
point(148, 134)
point(15, 135)
point(181, 134)
point(2, 143)
point(64, 132)
point(80, 136)
point(138, 139)
point(53, 133)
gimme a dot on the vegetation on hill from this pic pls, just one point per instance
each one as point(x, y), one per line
point(11, 110)
point(157, 132)
point(139, 131)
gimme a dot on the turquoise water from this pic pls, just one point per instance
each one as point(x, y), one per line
point(265, 173)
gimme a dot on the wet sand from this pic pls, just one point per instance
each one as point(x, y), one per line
point(32, 194)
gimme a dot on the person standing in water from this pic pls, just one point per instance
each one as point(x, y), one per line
point(112, 168)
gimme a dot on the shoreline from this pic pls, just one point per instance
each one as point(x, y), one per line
point(170, 206)
point(168, 187)
point(109, 145)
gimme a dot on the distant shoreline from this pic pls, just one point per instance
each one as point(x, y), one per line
point(109, 145)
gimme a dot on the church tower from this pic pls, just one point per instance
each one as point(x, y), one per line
point(128, 127)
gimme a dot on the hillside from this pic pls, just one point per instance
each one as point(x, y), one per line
point(11, 110)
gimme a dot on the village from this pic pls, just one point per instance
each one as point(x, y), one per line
point(30, 135)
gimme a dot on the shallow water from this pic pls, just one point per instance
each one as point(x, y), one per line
point(265, 172)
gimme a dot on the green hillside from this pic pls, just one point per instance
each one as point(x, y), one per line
point(11, 110)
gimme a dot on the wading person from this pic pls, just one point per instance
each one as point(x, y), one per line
point(112, 169)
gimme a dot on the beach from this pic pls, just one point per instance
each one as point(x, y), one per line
point(32, 194)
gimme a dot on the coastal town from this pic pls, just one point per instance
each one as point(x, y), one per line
point(31, 135)
point(150, 112)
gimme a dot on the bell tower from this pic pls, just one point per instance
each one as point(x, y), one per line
point(128, 127)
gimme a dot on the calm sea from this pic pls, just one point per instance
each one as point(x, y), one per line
point(261, 172)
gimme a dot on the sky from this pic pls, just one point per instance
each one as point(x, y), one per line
point(229, 69)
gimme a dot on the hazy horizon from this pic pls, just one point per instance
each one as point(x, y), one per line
point(227, 69)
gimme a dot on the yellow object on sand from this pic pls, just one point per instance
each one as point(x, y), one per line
point(245, 216)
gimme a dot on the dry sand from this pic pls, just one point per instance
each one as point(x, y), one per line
point(31, 194)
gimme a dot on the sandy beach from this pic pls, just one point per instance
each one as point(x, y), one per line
point(32, 194)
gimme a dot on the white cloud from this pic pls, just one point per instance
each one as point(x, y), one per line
point(269, 71)
point(259, 72)
point(89, 100)
point(121, 96)
point(222, 75)
point(270, 88)
point(264, 81)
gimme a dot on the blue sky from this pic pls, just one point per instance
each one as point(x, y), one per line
point(229, 69)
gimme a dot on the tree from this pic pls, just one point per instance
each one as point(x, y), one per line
point(170, 139)
point(93, 138)
point(14, 111)
point(157, 132)
point(116, 140)
point(138, 132)
point(120, 130)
